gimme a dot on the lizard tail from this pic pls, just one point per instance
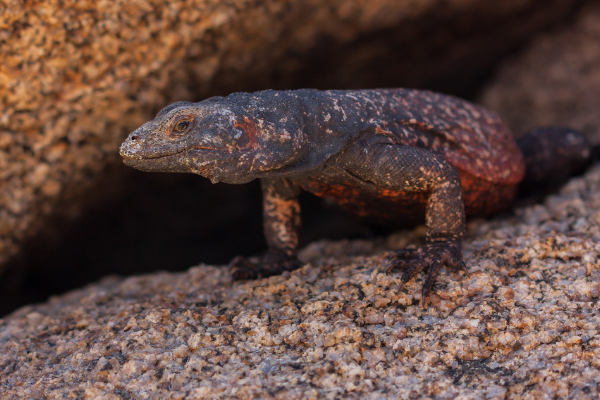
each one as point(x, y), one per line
point(552, 155)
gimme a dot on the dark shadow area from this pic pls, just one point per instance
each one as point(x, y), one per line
point(156, 222)
point(447, 51)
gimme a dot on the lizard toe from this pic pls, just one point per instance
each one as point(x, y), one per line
point(434, 269)
point(414, 267)
point(432, 256)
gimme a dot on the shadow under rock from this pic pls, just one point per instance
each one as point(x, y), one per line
point(147, 222)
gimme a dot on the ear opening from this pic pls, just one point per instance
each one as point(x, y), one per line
point(248, 137)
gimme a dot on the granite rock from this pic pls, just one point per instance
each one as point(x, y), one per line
point(523, 324)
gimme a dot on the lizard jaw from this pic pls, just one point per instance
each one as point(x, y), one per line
point(161, 159)
point(133, 150)
point(164, 163)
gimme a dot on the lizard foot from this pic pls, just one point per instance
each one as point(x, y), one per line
point(272, 264)
point(432, 255)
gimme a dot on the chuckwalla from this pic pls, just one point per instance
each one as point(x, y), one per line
point(393, 154)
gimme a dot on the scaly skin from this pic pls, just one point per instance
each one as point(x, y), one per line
point(395, 155)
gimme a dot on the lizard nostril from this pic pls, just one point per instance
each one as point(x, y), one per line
point(134, 137)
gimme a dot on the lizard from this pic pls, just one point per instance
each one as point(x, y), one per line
point(395, 155)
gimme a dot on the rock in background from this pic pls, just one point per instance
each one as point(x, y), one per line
point(556, 81)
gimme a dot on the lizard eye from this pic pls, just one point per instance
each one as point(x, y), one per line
point(181, 126)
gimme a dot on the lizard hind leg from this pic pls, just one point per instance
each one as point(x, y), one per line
point(432, 256)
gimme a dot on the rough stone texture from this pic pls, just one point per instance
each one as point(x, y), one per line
point(524, 324)
point(77, 76)
point(555, 82)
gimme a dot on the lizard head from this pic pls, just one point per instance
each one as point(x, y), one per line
point(215, 138)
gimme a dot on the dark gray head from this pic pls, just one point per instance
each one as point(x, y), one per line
point(223, 139)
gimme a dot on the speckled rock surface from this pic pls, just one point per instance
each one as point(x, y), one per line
point(554, 82)
point(524, 324)
point(77, 76)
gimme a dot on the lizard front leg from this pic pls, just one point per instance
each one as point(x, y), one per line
point(281, 221)
point(412, 170)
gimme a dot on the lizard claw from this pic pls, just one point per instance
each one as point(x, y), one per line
point(432, 256)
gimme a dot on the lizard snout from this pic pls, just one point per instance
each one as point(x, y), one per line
point(131, 147)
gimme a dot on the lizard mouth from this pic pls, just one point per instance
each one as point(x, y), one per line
point(156, 163)
point(172, 153)
point(132, 151)
point(161, 155)
point(165, 159)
